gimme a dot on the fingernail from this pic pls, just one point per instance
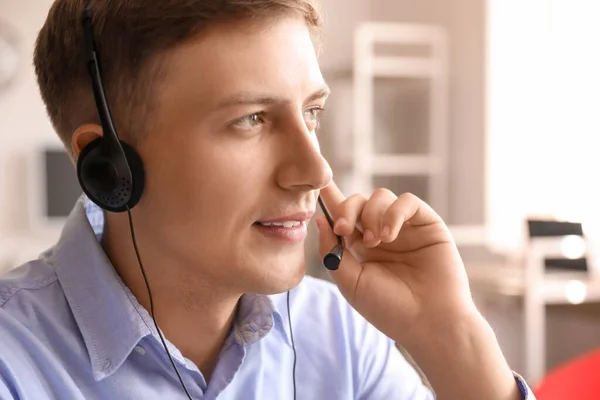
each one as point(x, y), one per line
point(340, 224)
point(368, 236)
point(386, 231)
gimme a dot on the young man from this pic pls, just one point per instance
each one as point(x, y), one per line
point(221, 98)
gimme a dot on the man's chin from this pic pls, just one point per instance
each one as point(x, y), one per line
point(275, 283)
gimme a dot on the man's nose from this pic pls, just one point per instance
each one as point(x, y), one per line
point(302, 165)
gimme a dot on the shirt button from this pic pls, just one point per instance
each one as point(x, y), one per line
point(106, 365)
point(140, 350)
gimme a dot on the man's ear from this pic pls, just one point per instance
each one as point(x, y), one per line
point(83, 136)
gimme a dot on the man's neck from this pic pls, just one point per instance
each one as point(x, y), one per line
point(193, 315)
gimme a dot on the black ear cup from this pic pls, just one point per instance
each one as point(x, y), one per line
point(104, 180)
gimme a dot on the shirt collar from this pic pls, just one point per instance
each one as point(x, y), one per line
point(111, 320)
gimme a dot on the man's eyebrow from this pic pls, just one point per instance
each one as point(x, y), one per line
point(322, 93)
point(249, 98)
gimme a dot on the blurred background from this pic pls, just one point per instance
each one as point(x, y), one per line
point(487, 109)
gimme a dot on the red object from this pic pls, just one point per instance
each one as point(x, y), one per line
point(578, 379)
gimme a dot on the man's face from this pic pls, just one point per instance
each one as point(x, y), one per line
point(233, 150)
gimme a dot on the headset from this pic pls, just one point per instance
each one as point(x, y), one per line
point(111, 174)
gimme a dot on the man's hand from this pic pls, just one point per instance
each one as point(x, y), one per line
point(402, 271)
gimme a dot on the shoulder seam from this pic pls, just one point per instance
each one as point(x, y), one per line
point(7, 294)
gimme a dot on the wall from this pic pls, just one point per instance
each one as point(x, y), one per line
point(544, 91)
point(23, 125)
point(543, 115)
point(464, 22)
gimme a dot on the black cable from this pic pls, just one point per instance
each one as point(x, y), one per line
point(293, 344)
point(137, 253)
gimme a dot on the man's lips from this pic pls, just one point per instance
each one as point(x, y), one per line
point(291, 228)
point(300, 216)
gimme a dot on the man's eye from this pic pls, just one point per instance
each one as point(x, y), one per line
point(311, 116)
point(249, 121)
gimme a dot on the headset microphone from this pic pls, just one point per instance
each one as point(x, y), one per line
point(332, 260)
point(110, 172)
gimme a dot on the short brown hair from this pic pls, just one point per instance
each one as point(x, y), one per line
point(129, 35)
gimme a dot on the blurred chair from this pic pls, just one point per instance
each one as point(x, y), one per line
point(554, 274)
point(578, 379)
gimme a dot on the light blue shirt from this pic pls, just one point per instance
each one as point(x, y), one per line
point(70, 329)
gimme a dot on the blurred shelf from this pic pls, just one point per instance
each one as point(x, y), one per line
point(404, 67)
point(560, 287)
point(368, 65)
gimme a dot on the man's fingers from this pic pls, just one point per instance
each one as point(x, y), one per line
point(348, 213)
point(372, 218)
point(409, 207)
point(379, 218)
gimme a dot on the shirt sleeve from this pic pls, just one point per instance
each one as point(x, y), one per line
point(5, 393)
point(525, 389)
point(393, 377)
point(386, 374)
point(13, 361)
point(7, 389)
point(382, 372)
